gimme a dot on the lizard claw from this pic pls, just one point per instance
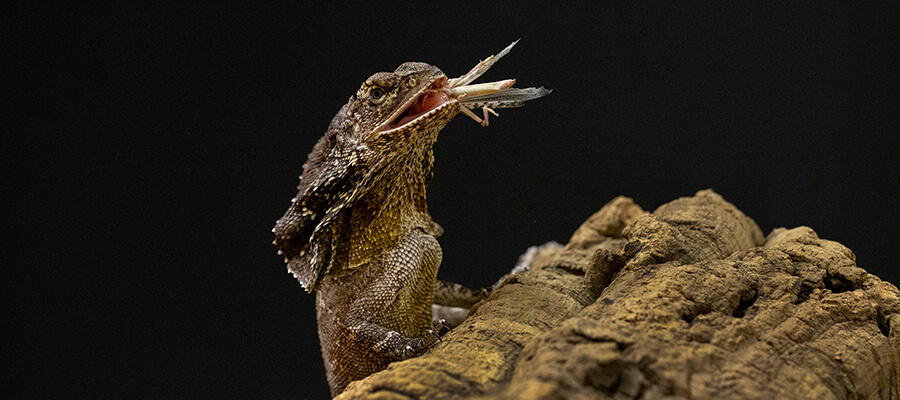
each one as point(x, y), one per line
point(410, 352)
point(432, 336)
point(441, 324)
point(438, 329)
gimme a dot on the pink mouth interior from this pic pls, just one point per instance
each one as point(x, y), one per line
point(428, 100)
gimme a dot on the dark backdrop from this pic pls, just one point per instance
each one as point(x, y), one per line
point(149, 150)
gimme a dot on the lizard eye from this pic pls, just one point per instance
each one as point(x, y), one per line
point(376, 94)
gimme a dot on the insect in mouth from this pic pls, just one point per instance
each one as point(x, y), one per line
point(489, 96)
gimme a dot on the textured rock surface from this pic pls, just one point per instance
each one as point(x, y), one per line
point(689, 302)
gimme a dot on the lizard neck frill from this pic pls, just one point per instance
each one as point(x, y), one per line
point(394, 201)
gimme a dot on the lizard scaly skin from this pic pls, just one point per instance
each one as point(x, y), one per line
point(359, 233)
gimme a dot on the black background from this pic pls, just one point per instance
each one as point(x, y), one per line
point(149, 150)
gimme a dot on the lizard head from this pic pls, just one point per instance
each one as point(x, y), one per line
point(364, 182)
point(392, 110)
point(363, 185)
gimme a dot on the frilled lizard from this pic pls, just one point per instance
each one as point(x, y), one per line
point(359, 233)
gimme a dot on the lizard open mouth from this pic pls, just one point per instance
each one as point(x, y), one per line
point(427, 101)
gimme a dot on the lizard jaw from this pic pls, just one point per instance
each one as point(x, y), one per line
point(425, 103)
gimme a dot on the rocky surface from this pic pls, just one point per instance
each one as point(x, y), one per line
point(689, 302)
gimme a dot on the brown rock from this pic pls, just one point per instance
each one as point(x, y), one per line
point(689, 302)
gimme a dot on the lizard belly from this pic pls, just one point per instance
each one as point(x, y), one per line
point(368, 317)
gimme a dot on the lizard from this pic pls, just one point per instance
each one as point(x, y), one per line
point(358, 232)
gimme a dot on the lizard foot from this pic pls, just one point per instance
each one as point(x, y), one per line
point(418, 346)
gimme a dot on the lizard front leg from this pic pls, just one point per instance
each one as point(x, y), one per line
point(453, 302)
point(381, 312)
point(394, 345)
